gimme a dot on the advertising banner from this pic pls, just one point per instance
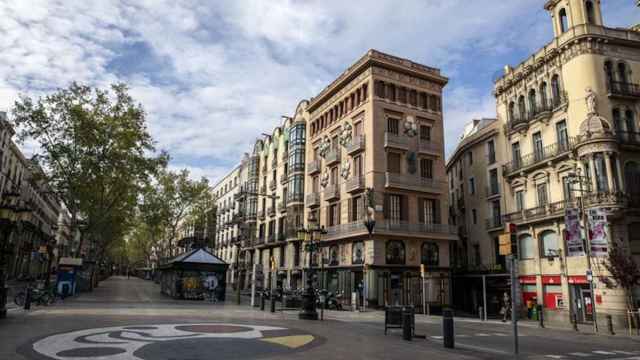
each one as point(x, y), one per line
point(598, 232)
point(575, 246)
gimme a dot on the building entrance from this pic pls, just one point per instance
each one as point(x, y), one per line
point(582, 302)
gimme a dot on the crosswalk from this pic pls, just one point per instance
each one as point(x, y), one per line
point(600, 354)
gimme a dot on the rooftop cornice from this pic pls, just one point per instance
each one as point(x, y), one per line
point(377, 58)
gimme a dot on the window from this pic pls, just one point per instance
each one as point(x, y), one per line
point(608, 71)
point(541, 190)
point(427, 211)
point(394, 207)
point(426, 168)
point(334, 214)
point(519, 198)
point(522, 110)
point(283, 255)
point(357, 166)
point(357, 253)
point(296, 254)
point(564, 21)
point(472, 186)
point(567, 188)
point(333, 255)
point(622, 73)
point(391, 92)
point(526, 247)
point(334, 176)
point(601, 172)
point(562, 135)
point(393, 162)
point(425, 132)
point(470, 158)
point(393, 125)
point(630, 122)
point(549, 241)
point(430, 254)
point(491, 152)
point(493, 182)
point(402, 95)
point(357, 208)
point(543, 95)
point(555, 89)
point(395, 253)
point(532, 101)
point(617, 121)
point(591, 18)
point(474, 215)
point(512, 111)
point(496, 213)
point(538, 148)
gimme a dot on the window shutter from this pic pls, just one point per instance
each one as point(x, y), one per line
point(386, 206)
point(436, 212)
point(421, 203)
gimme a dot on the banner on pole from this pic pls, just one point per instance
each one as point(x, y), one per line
point(598, 232)
point(575, 246)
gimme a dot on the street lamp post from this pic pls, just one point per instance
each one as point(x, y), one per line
point(370, 224)
point(309, 297)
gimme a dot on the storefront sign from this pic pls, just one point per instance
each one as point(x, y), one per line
point(551, 279)
point(575, 245)
point(527, 279)
point(578, 279)
point(598, 232)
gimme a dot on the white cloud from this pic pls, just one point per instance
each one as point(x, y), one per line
point(214, 75)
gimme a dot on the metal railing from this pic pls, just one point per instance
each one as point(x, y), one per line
point(357, 144)
point(272, 185)
point(355, 183)
point(624, 89)
point(493, 190)
point(395, 140)
point(493, 222)
point(331, 192)
point(413, 182)
point(414, 228)
point(313, 166)
point(429, 146)
point(548, 210)
point(628, 137)
point(540, 109)
point(333, 156)
point(539, 156)
point(312, 199)
point(283, 179)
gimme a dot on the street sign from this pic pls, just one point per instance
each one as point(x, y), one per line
point(589, 275)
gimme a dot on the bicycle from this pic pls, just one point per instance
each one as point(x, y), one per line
point(43, 297)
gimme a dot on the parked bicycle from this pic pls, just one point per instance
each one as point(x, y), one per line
point(38, 296)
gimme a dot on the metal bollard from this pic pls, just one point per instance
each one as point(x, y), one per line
point(610, 325)
point(447, 328)
point(273, 304)
point(540, 315)
point(27, 298)
point(575, 321)
point(262, 302)
point(406, 325)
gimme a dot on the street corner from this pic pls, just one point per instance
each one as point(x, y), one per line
point(173, 341)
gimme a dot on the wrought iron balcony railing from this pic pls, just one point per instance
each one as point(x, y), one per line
point(540, 156)
point(624, 89)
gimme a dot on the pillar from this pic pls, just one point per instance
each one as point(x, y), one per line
point(607, 162)
point(620, 174)
point(592, 169)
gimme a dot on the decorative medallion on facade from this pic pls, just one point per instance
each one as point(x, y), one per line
point(345, 170)
point(410, 127)
point(324, 179)
point(346, 134)
point(325, 146)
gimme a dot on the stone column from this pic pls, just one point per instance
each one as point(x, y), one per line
point(620, 175)
point(607, 162)
point(592, 169)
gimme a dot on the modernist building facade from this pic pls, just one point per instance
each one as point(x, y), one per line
point(569, 124)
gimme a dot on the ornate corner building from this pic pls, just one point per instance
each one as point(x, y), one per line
point(569, 125)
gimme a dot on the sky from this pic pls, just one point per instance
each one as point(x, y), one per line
point(214, 75)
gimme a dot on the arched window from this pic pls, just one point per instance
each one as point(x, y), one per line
point(521, 108)
point(608, 72)
point(526, 246)
point(549, 241)
point(543, 94)
point(591, 17)
point(395, 252)
point(512, 111)
point(532, 101)
point(430, 254)
point(622, 72)
point(555, 89)
point(630, 121)
point(564, 21)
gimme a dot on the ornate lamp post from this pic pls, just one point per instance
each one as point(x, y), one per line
point(311, 237)
point(370, 224)
point(7, 223)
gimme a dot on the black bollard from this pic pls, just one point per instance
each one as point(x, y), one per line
point(262, 301)
point(406, 325)
point(273, 303)
point(447, 328)
point(27, 298)
point(575, 321)
point(540, 315)
point(610, 325)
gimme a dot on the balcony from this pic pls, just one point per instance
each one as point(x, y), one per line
point(520, 119)
point(628, 137)
point(493, 223)
point(429, 147)
point(541, 157)
point(313, 167)
point(261, 215)
point(357, 228)
point(263, 189)
point(331, 192)
point(414, 183)
point(606, 199)
point(273, 185)
point(251, 217)
point(355, 183)
point(493, 190)
point(356, 145)
point(283, 179)
point(333, 157)
point(271, 211)
point(282, 206)
point(258, 241)
point(313, 200)
point(624, 89)
point(271, 238)
point(295, 199)
point(538, 213)
point(396, 141)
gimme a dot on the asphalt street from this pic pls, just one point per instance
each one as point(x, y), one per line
point(130, 319)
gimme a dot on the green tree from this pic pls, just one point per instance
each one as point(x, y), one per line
point(624, 270)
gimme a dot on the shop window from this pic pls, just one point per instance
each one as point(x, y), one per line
point(526, 246)
point(549, 240)
point(395, 254)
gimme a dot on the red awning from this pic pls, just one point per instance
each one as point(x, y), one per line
point(578, 279)
point(551, 279)
point(528, 279)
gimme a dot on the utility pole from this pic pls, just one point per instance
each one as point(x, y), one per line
point(508, 247)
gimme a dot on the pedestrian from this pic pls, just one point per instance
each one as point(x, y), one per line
point(506, 307)
point(529, 308)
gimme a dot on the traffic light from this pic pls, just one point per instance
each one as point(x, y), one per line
point(508, 241)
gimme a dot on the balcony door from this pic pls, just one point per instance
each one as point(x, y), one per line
point(515, 154)
point(562, 135)
point(538, 148)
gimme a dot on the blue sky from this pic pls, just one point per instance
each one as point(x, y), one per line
point(213, 75)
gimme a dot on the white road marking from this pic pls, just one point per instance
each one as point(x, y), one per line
point(623, 352)
point(499, 334)
point(462, 336)
point(482, 334)
point(602, 352)
point(555, 356)
point(437, 337)
point(580, 354)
